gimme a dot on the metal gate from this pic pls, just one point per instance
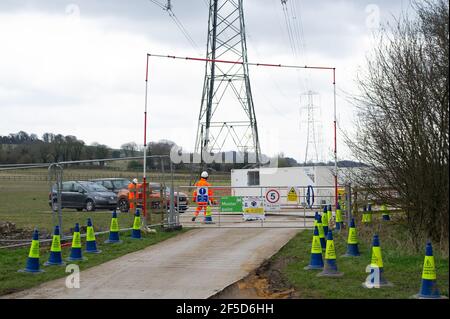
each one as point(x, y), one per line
point(257, 206)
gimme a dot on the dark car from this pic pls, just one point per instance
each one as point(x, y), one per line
point(83, 195)
point(113, 184)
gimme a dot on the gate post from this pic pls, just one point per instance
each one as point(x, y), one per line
point(348, 204)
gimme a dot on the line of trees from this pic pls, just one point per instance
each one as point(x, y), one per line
point(403, 124)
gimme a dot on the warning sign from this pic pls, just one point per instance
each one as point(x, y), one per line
point(316, 247)
point(272, 200)
point(253, 207)
point(429, 270)
point(330, 252)
point(292, 195)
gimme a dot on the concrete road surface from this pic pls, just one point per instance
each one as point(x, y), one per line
point(196, 264)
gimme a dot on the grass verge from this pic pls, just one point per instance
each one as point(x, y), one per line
point(402, 266)
point(12, 260)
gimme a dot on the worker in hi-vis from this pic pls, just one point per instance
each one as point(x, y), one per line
point(202, 200)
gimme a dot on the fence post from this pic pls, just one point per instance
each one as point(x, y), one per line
point(348, 204)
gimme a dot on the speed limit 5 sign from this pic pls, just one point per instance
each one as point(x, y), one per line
point(272, 200)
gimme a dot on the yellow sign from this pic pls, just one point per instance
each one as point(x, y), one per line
point(338, 216)
point(114, 225)
point(90, 236)
point(56, 243)
point(330, 253)
point(320, 228)
point(316, 248)
point(34, 250)
point(76, 240)
point(292, 195)
point(137, 223)
point(325, 220)
point(429, 270)
point(352, 237)
point(377, 260)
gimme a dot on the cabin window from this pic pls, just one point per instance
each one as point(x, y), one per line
point(253, 178)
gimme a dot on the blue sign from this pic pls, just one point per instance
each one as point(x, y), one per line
point(202, 195)
point(310, 196)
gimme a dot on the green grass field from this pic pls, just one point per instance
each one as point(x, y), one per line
point(402, 266)
point(11, 260)
point(24, 200)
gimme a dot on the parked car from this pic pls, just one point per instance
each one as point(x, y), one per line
point(124, 205)
point(113, 184)
point(83, 195)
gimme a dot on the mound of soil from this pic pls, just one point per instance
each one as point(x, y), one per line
point(265, 282)
point(9, 231)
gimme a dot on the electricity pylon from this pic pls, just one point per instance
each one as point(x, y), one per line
point(227, 113)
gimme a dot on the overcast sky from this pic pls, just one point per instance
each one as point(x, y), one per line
point(78, 68)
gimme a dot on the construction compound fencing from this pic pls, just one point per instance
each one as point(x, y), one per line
point(256, 206)
point(158, 211)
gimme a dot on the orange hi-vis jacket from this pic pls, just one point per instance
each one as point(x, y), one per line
point(203, 182)
point(134, 189)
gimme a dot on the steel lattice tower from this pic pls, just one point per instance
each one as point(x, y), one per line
point(313, 134)
point(227, 111)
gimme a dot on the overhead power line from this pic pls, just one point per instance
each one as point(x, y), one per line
point(168, 7)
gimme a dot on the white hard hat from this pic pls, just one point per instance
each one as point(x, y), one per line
point(204, 174)
point(135, 181)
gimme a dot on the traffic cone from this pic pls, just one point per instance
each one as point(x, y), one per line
point(75, 249)
point(318, 223)
point(376, 278)
point(316, 261)
point(385, 213)
point(330, 268)
point(325, 220)
point(136, 231)
point(208, 216)
point(55, 257)
point(364, 215)
point(33, 256)
point(113, 230)
point(91, 243)
point(429, 288)
point(369, 213)
point(352, 241)
point(338, 217)
point(330, 214)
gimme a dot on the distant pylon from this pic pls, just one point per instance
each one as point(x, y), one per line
point(313, 152)
point(227, 112)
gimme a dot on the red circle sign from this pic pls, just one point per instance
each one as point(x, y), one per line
point(272, 196)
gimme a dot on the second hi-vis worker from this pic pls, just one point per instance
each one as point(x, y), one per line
point(134, 193)
point(202, 200)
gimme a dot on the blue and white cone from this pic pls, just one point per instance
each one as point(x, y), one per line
point(352, 241)
point(75, 250)
point(338, 217)
point(325, 216)
point(429, 288)
point(376, 277)
point(323, 242)
point(316, 261)
point(55, 258)
point(32, 265)
point(114, 230)
point(136, 231)
point(330, 268)
point(91, 243)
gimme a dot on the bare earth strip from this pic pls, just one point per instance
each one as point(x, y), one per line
point(196, 264)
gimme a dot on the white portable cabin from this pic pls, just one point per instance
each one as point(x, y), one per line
point(255, 182)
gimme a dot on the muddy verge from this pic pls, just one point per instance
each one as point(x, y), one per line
point(10, 234)
point(266, 282)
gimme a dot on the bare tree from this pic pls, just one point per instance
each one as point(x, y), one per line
point(403, 120)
